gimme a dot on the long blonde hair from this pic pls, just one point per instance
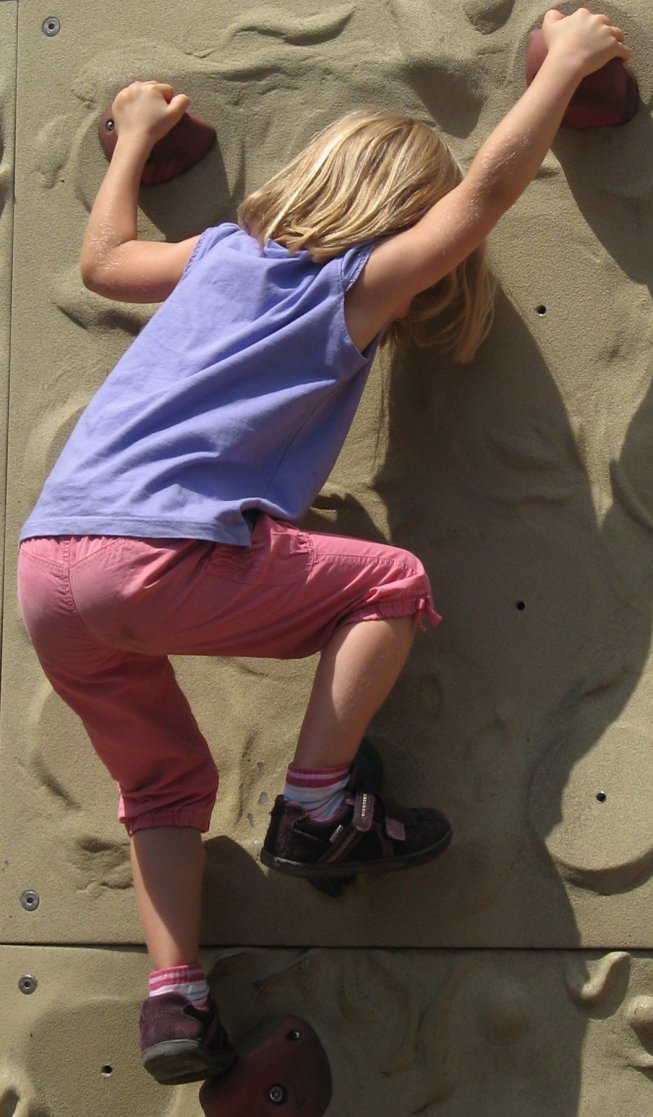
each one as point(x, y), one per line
point(366, 177)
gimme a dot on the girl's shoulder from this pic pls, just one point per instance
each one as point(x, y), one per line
point(211, 237)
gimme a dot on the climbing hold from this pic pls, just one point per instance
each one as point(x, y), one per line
point(288, 1073)
point(607, 97)
point(183, 146)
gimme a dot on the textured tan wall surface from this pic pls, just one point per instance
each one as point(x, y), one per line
point(452, 1033)
point(525, 484)
point(8, 18)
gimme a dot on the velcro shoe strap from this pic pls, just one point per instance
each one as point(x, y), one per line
point(363, 811)
point(395, 829)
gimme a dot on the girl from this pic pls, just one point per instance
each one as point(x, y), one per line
point(167, 525)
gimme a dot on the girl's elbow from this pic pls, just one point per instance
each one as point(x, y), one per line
point(91, 275)
point(97, 265)
point(98, 278)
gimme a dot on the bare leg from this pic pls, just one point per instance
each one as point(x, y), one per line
point(168, 865)
point(357, 670)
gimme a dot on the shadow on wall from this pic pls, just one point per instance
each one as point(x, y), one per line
point(544, 581)
point(459, 1033)
point(546, 634)
point(547, 609)
point(612, 169)
point(543, 575)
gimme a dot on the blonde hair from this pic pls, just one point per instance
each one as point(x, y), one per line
point(366, 177)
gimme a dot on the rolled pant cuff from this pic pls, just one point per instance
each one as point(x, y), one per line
point(192, 818)
point(393, 608)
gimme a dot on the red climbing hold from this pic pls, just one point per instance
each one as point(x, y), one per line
point(287, 1075)
point(183, 146)
point(607, 97)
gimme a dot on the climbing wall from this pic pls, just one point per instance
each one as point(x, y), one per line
point(514, 974)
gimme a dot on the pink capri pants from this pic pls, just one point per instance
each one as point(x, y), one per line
point(105, 613)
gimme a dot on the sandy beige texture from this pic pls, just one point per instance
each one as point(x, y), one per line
point(450, 1034)
point(525, 484)
point(8, 22)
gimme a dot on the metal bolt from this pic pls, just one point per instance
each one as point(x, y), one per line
point(51, 26)
point(277, 1095)
point(30, 900)
point(294, 1035)
point(27, 984)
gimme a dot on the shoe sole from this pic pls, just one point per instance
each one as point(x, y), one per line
point(176, 1061)
point(340, 869)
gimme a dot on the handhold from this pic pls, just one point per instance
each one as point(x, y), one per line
point(607, 97)
point(179, 150)
point(287, 1075)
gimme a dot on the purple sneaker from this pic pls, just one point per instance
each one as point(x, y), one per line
point(182, 1043)
point(368, 835)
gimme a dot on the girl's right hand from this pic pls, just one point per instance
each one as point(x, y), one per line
point(148, 110)
point(585, 39)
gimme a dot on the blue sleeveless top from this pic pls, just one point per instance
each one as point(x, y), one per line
point(237, 395)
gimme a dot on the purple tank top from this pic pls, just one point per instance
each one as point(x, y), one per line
point(236, 396)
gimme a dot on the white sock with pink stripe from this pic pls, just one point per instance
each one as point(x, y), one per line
point(187, 980)
point(320, 791)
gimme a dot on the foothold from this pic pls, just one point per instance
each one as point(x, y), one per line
point(27, 984)
point(288, 1069)
point(603, 99)
point(30, 900)
point(184, 145)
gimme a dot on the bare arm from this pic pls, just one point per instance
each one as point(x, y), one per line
point(114, 263)
point(411, 261)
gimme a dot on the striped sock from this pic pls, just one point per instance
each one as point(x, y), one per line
point(187, 980)
point(320, 791)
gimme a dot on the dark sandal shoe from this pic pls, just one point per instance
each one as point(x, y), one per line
point(368, 835)
point(182, 1043)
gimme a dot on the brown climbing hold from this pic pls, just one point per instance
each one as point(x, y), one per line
point(287, 1075)
point(605, 98)
point(183, 146)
